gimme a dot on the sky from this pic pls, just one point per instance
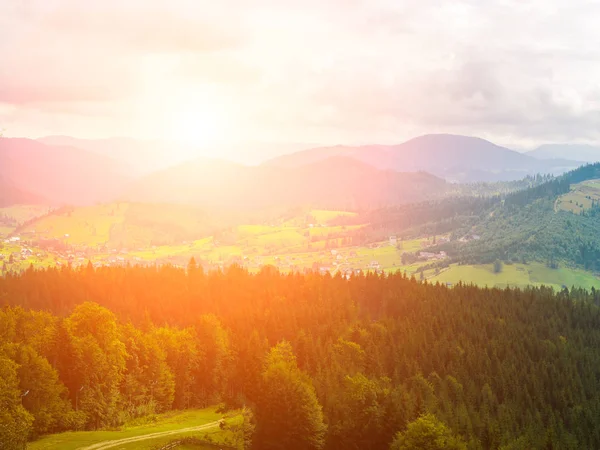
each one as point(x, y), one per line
point(517, 72)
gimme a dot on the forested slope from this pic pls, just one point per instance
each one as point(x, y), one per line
point(526, 226)
point(351, 362)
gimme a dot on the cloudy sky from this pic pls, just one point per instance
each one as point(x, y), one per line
point(518, 72)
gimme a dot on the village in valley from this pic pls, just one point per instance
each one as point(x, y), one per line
point(298, 244)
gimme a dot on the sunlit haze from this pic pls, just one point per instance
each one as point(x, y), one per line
point(299, 225)
point(214, 74)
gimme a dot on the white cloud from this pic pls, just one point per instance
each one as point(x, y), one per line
point(342, 71)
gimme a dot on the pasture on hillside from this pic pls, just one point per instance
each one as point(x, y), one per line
point(580, 197)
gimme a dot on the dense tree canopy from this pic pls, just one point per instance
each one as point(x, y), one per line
point(350, 362)
point(427, 433)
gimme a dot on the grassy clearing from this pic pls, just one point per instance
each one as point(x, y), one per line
point(166, 251)
point(518, 275)
point(330, 231)
point(322, 216)
point(131, 225)
point(165, 422)
point(6, 230)
point(580, 198)
point(253, 230)
point(284, 237)
point(388, 256)
point(89, 225)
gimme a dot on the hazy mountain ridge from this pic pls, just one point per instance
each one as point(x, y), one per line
point(579, 152)
point(60, 174)
point(88, 171)
point(143, 157)
point(456, 158)
point(138, 157)
point(339, 182)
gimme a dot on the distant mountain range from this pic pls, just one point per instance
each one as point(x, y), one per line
point(63, 170)
point(455, 158)
point(335, 182)
point(58, 174)
point(578, 152)
point(142, 157)
point(137, 157)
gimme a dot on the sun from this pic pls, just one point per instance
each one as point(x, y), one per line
point(195, 125)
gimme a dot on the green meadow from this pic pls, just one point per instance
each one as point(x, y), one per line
point(169, 422)
point(580, 197)
point(517, 275)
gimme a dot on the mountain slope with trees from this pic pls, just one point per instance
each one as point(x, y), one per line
point(526, 226)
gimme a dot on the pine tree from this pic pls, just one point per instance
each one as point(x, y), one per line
point(288, 414)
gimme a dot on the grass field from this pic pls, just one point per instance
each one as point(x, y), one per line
point(13, 216)
point(166, 422)
point(158, 231)
point(518, 275)
point(324, 216)
point(580, 197)
point(130, 225)
point(89, 225)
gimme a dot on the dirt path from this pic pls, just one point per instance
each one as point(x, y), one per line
point(110, 444)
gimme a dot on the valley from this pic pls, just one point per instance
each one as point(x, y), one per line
point(519, 224)
point(165, 269)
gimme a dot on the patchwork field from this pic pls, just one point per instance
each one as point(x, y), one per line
point(123, 224)
point(306, 241)
point(580, 198)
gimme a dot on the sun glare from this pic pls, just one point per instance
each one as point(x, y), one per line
point(195, 126)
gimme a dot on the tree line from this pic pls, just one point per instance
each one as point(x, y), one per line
point(373, 362)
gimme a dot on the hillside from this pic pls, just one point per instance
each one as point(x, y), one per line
point(123, 225)
point(60, 175)
point(456, 158)
point(333, 183)
point(12, 195)
point(537, 224)
point(578, 152)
